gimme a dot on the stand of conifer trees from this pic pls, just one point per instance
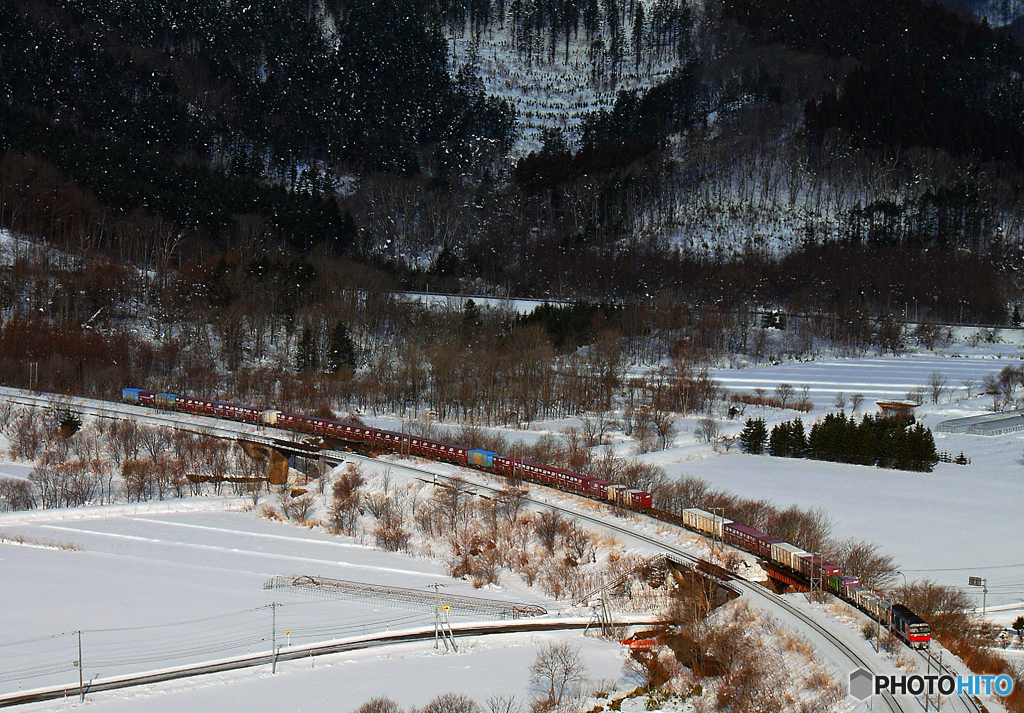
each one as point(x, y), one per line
point(875, 440)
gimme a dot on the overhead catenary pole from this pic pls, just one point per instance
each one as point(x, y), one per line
point(717, 527)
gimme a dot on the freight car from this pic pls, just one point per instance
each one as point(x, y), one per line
point(399, 442)
point(903, 622)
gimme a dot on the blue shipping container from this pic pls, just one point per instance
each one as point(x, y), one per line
point(484, 459)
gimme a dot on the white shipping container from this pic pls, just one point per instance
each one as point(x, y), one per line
point(865, 597)
point(693, 516)
point(788, 555)
point(703, 521)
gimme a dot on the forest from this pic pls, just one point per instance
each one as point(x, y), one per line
point(195, 190)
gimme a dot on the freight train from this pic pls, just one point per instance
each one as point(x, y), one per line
point(902, 622)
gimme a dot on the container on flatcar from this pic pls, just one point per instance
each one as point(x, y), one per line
point(848, 583)
point(852, 592)
point(535, 471)
point(617, 494)
point(270, 417)
point(483, 459)
point(880, 609)
point(572, 481)
point(787, 555)
point(865, 599)
point(503, 464)
point(165, 401)
point(130, 396)
point(703, 521)
point(814, 565)
point(640, 499)
point(748, 538)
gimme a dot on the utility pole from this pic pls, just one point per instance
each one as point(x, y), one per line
point(33, 375)
point(983, 583)
point(273, 637)
point(928, 655)
point(81, 676)
point(437, 612)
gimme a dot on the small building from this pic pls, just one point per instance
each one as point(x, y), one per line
point(903, 410)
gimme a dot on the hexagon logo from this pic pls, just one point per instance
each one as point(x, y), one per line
point(862, 684)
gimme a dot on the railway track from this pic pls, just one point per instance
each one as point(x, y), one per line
point(751, 589)
point(234, 430)
point(303, 652)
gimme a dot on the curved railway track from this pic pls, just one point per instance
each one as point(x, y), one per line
point(234, 429)
point(299, 653)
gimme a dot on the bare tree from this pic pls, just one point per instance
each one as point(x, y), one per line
point(840, 400)
point(547, 526)
point(16, 494)
point(503, 704)
point(123, 441)
point(346, 500)
point(664, 422)
point(596, 427)
point(784, 393)
point(876, 570)
point(855, 401)
point(390, 532)
point(154, 439)
point(453, 499)
point(707, 430)
point(137, 474)
point(936, 385)
point(379, 705)
point(559, 671)
point(969, 386)
point(579, 545)
point(298, 508)
point(452, 703)
point(509, 503)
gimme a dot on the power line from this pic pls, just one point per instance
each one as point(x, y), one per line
point(966, 569)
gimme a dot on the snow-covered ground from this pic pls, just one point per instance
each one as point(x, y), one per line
point(200, 565)
point(411, 674)
point(151, 584)
point(549, 90)
point(945, 525)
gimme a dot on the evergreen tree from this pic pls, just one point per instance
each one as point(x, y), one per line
point(779, 441)
point(638, 33)
point(305, 353)
point(754, 436)
point(341, 353)
point(471, 320)
point(797, 439)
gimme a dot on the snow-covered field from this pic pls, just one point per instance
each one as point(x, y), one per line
point(945, 525)
point(167, 584)
point(411, 674)
point(151, 584)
